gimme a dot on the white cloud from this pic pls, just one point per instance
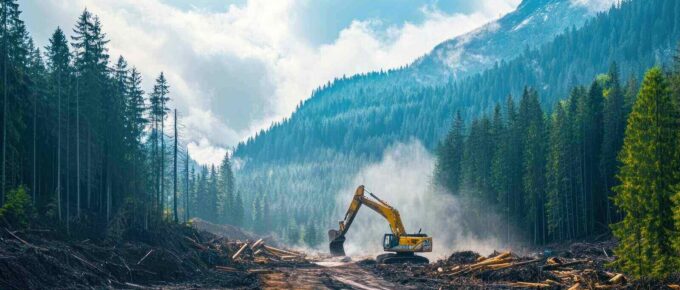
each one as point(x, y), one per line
point(233, 73)
point(204, 153)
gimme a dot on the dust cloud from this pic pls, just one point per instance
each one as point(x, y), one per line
point(404, 180)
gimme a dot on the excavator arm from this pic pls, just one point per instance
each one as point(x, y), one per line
point(337, 237)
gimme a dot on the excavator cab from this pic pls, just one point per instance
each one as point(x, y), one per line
point(390, 241)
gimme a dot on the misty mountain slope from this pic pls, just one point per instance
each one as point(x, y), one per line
point(346, 100)
point(533, 23)
point(307, 158)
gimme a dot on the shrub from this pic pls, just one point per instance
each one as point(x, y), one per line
point(18, 208)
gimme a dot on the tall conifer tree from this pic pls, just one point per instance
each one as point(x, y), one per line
point(648, 173)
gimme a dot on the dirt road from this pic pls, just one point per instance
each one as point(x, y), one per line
point(326, 275)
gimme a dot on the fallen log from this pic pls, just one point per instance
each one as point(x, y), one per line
point(260, 271)
point(619, 278)
point(25, 242)
point(196, 244)
point(143, 258)
point(529, 285)
point(557, 266)
point(280, 252)
point(226, 269)
point(135, 286)
point(238, 253)
point(86, 263)
point(575, 286)
point(257, 244)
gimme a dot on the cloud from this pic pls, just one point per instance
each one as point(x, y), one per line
point(233, 71)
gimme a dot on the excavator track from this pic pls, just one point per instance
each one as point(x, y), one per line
point(401, 258)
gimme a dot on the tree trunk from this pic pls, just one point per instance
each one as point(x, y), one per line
point(89, 168)
point(68, 169)
point(162, 169)
point(78, 146)
point(186, 185)
point(174, 172)
point(4, 104)
point(59, 146)
point(35, 118)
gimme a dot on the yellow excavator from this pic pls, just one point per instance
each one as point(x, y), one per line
point(402, 244)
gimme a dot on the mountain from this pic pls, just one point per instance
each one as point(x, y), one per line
point(533, 23)
point(303, 161)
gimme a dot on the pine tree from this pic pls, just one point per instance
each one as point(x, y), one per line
point(58, 60)
point(675, 94)
point(37, 72)
point(227, 190)
point(648, 173)
point(212, 200)
point(557, 176)
point(238, 210)
point(15, 53)
point(576, 187)
point(202, 198)
point(450, 157)
point(515, 160)
point(500, 167)
point(534, 163)
point(159, 99)
point(613, 130)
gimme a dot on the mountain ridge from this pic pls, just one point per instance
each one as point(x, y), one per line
point(533, 23)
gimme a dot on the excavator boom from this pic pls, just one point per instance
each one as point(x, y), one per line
point(398, 241)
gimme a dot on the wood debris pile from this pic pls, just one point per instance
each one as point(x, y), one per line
point(552, 272)
point(260, 253)
point(580, 266)
point(40, 259)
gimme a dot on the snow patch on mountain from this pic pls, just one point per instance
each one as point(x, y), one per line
point(523, 23)
point(595, 5)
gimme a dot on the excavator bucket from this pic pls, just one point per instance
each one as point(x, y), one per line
point(337, 243)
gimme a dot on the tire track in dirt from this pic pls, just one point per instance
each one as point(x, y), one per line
point(326, 276)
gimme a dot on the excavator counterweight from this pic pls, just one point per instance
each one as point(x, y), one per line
point(402, 244)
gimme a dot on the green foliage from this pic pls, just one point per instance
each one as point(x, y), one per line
point(558, 178)
point(546, 175)
point(18, 208)
point(648, 174)
point(449, 157)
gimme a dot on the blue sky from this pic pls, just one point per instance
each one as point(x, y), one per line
point(235, 66)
